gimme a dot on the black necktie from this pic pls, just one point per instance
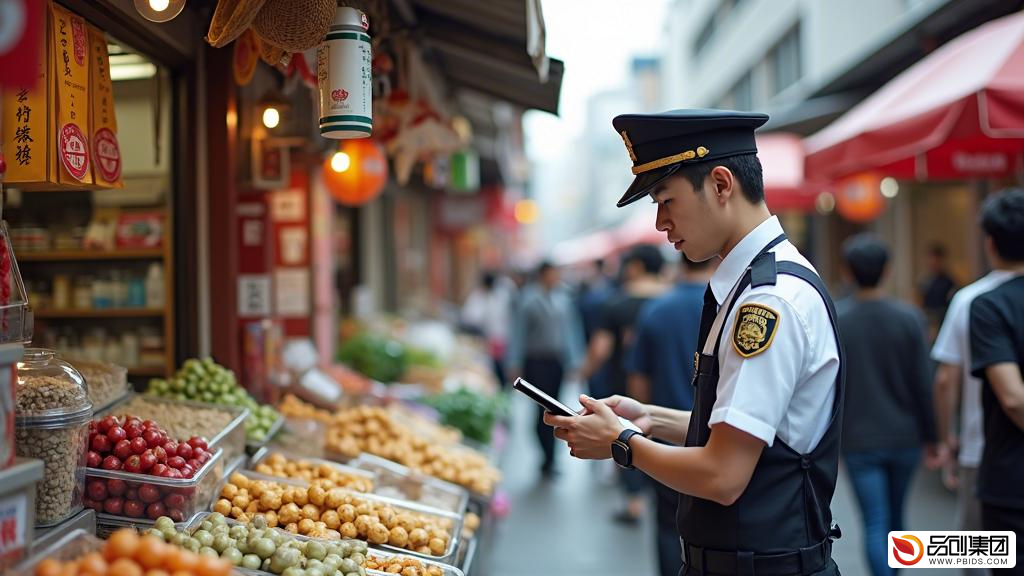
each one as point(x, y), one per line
point(707, 317)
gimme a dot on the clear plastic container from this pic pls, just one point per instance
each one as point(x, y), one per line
point(401, 482)
point(74, 545)
point(107, 383)
point(141, 498)
point(222, 426)
point(451, 521)
point(84, 520)
point(52, 414)
point(16, 321)
point(445, 569)
point(261, 459)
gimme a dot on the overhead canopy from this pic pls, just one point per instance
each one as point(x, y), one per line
point(494, 47)
point(782, 160)
point(957, 113)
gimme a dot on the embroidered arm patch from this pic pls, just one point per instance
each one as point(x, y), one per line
point(754, 329)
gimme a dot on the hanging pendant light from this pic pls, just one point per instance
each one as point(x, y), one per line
point(159, 10)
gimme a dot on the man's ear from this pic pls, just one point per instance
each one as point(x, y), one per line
point(723, 183)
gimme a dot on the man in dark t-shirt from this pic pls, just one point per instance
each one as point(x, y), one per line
point(888, 398)
point(997, 355)
point(640, 282)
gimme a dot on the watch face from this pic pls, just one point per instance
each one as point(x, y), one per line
point(620, 453)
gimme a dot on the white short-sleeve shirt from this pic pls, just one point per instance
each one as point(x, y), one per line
point(786, 390)
point(953, 346)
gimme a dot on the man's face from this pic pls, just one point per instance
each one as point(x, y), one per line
point(691, 219)
point(549, 278)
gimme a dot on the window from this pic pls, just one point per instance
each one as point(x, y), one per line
point(743, 93)
point(717, 18)
point(785, 61)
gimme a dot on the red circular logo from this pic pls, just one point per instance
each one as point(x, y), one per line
point(339, 95)
point(364, 21)
point(74, 151)
point(78, 36)
point(108, 154)
point(903, 545)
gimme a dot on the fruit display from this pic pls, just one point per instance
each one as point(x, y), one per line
point(376, 357)
point(352, 431)
point(277, 464)
point(180, 420)
point(256, 546)
point(123, 452)
point(322, 510)
point(206, 381)
point(126, 553)
point(140, 446)
point(402, 565)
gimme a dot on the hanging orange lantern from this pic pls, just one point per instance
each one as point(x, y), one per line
point(357, 172)
point(859, 198)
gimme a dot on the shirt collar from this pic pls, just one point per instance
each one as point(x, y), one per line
point(735, 263)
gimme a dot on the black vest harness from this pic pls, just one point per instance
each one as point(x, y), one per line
point(782, 523)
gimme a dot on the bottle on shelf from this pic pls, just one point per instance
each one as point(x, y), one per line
point(155, 286)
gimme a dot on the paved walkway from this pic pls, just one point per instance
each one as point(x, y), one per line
point(563, 527)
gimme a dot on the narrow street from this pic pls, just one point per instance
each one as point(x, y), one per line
point(563, 527)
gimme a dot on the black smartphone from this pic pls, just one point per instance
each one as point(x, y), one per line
point(540, 397)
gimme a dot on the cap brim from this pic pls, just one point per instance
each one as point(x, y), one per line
point(645, 182)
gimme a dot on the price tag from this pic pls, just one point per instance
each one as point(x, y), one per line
point(13, 520)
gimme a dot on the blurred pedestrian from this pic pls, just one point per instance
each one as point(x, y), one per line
point(593, 297)
point(660, 368)
point(888, 409)
point(997, 358)
point(641, 282)
point(957, 390)
point(937, 289)
point(545, 344)
point(486, 312)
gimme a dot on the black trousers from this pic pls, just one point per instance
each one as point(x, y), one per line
point(1004, 519)
point(830, 570)
point(670, 553)
point(545, 372)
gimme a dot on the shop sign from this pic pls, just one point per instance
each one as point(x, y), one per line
point(270, 165)
point(106, 151)
point(70, 44)
point(980, 162)
point(24, 105)
point(253, 295)
point(22, 25)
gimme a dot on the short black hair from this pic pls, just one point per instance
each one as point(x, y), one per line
point(745, 167)
point(544, 267)
point(1002, 219)
point(866, 256)
point(648, 255)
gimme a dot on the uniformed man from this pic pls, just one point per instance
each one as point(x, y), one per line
point(756, 460)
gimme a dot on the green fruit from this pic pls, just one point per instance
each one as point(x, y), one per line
point(251, 562)
point(239, 532)
point(264, 547)
point(164, 523)
point(217, 519)
point(348, 565)
point(283, 559)
point(204, 537)
point(207, 551)
point(222, 542)
point(293, 571)
point(232, 555)
point(156, 532)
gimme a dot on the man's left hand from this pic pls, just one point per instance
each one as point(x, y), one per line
point(589, 436)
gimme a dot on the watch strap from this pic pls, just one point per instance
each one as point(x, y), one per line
point(623, 442)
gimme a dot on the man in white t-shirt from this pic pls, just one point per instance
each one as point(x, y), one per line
point(955, 385)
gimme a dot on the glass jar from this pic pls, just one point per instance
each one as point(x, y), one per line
point(52, 414)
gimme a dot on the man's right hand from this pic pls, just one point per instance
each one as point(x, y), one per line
point(631, 410)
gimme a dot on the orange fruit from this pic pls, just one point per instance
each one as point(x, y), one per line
point(157, 572)
point(182, 573)
point(69, 569)
point(92, 564)
point(122, 544)
point(124, 567)
point(209, 566)
point(49, 567)
point(178, 560)
point(151, 552)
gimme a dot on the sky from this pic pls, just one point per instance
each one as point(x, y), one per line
point(597, 40)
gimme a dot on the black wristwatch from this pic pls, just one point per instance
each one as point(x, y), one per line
point(621, 452)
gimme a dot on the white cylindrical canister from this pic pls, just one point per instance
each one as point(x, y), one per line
point(345, 77)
